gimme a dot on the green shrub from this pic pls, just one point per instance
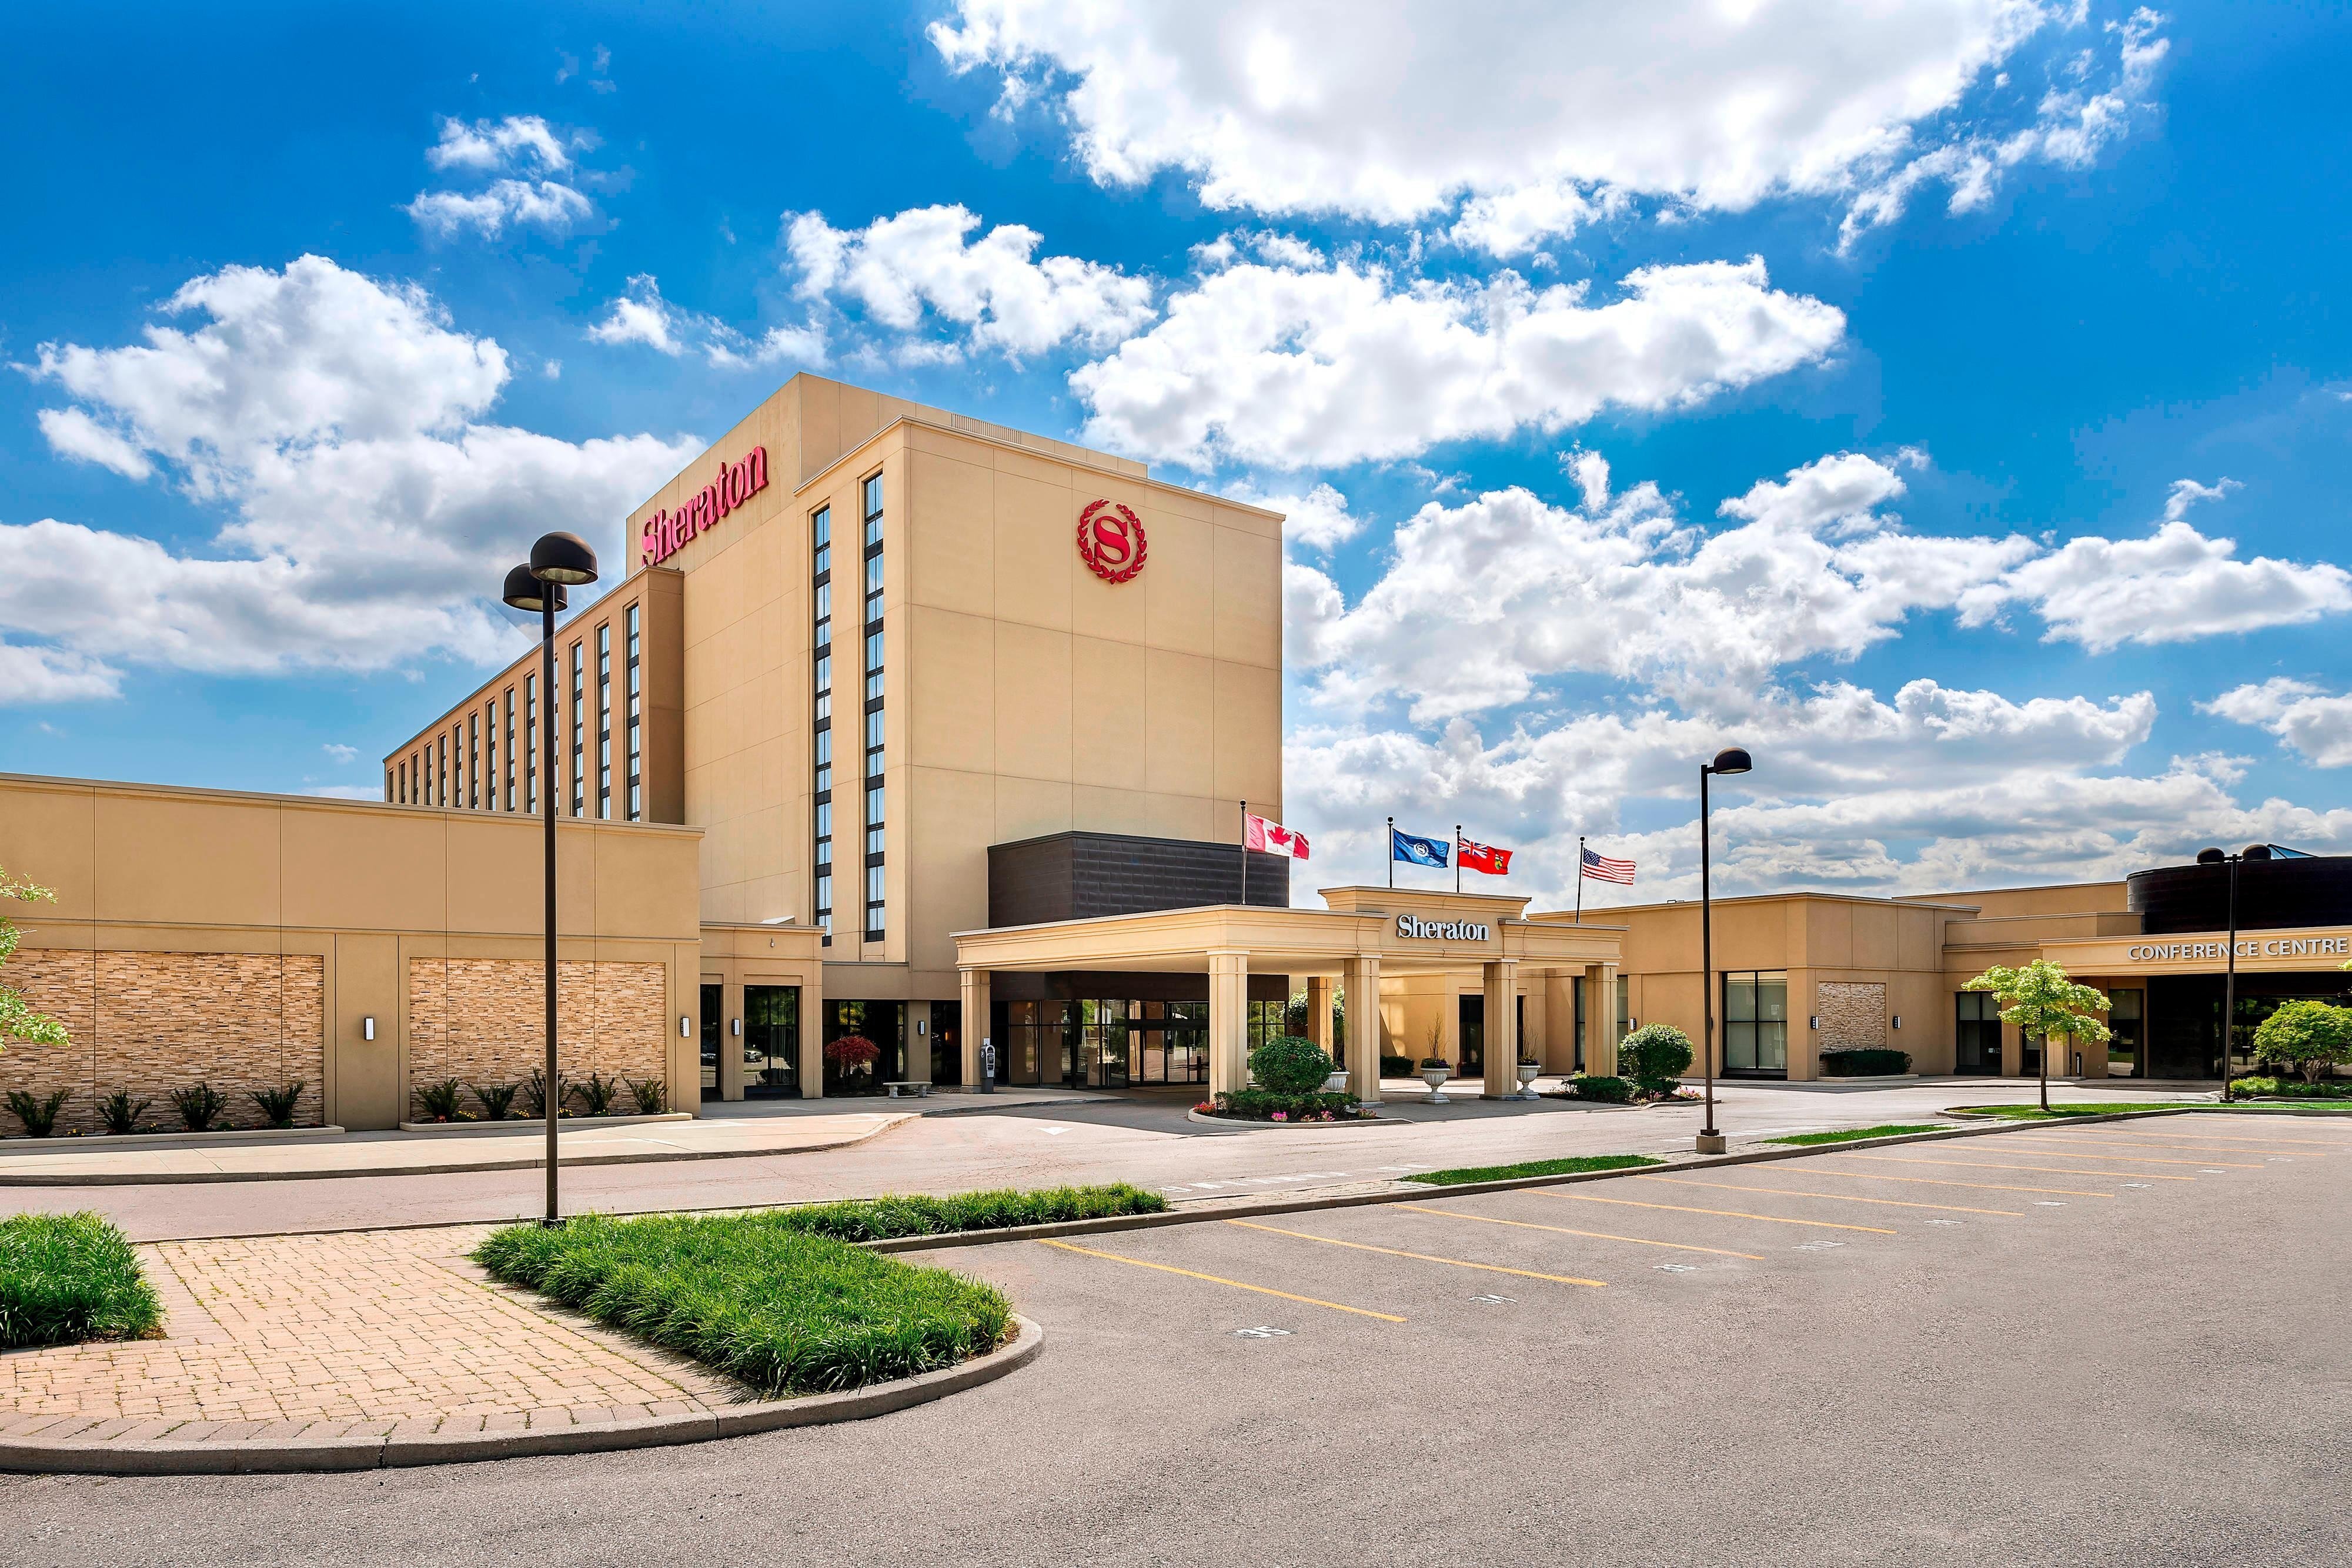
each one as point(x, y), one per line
point(1396, 1066)
point(2305, 1037)
point(1654, 1055)
point(1863, 1062)
point(199, 1105)
point(534, 1093)
point(1608, 1091)
point(278, 1105)
point(439, 1102)
point(1260, 1106)
point(1289, 1064)
point(651, 1094)
point(39, 1115)
point(496, 1100)
point(882, 1218)
point(119, 1113)
point(756, 1297)
point(71, 1277)
point(597, 1094)
point(2289, 1088)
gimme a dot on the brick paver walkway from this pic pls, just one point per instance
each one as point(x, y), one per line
point(383, 1333)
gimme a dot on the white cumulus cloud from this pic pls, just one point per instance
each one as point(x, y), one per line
point(641, 315)
point(532, 184)
point(2313, 721)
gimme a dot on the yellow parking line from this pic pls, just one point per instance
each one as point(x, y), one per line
point(2045, 1152)
point(1421, 1256)
point(1726, 1213)
point(1594, 1235)
point(2260, 1138)
point(1939, 1181)
point(1215, 1279)
point(1835, 1196)
point(1998, 1166)
point(2218, 1149)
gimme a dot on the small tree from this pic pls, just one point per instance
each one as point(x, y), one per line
point(1654, 1055)
point(1289, 1064)
point(2040, 999)
point(17, 1018)
point(2308, 1037)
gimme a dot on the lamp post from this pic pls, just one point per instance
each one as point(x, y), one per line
point(2229, 982)
point(558, 561)
point(1728, 762)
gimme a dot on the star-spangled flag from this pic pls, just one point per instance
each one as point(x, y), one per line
point(1600, 868)
point(1272, 837)
point(1487, 858)
point(1415, 849)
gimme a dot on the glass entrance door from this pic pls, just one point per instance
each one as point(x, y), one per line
point(1471, 1016)
point(2125, 1008)
point(1102, 1043)
point(1976, 1038)
point(772, 1041)
point(713, 1004)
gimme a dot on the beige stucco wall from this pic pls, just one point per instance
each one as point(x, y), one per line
point(164, 890)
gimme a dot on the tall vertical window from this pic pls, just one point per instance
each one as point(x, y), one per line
point(821, 741)
point(511, 748)
point(604, 720)
point(870, 508)
point(636, 721)
point(530, 743)
point(392, 784)
point(491, 757)
point(1756, 1022)
point(578, 724)
point(441, 783)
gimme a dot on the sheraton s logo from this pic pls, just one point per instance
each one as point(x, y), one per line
point(1110, 541)
point(665, 533)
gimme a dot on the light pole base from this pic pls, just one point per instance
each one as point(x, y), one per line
point(1711, 1143)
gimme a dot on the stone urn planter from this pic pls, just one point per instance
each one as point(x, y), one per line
point(1529, 1072)
point(1337, 1084)
point(1435, 1078)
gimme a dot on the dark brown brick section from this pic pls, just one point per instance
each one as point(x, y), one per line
point(480, 1020)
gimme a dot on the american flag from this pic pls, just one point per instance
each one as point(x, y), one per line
point(1600, 868)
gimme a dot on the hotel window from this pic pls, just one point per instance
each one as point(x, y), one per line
point(392, 784)
point(1756, 1022)
point(636, 729)
point(578, 724)
point(820, 740)
point(441, 784)
point(604, 720)
point(870, 507)
point(1976, 1038)
point(2126, 1007)
point(490, 775)
point(511, 748)
point(530, 743)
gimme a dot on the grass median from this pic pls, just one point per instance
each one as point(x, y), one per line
point(1572, 1165)
point(1851, 1134)
point(66, 1278)
point(885, 1218)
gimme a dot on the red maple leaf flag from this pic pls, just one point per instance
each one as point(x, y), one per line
point(1272, 837)
point(1485, 858)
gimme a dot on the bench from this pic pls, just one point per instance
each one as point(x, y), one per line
point(910, 1085)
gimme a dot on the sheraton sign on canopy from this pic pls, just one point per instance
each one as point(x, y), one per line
point(666, 532)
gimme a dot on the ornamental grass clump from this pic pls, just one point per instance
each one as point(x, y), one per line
point(38, 1112)
point(65, 1278)
point(783, 1310)
point(917, 1214)
point(199, 1105)
point(278, 1105)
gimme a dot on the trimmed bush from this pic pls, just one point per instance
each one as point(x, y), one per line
point(39, 1114)
point(2305, 1037)
point(2289, 1088)
point(757, 1297)
point(1654, 1055)
point(1608, 1091)
point(1396, 1066)
point(1289, 1064)
point(881, 1218)
point(1863, 1062)
point(1258, 1106)
point(65, 1278)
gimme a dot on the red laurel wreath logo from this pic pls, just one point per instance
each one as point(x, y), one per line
point(1110, 541)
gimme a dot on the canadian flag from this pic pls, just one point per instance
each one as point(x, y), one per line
point(1272, 837)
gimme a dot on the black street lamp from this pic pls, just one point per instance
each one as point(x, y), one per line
point(557, 562)
point(1731, 759)
point(2230, 984)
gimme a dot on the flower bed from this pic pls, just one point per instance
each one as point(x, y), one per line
point(1263, 1105)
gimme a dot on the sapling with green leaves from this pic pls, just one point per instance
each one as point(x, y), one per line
point(17, 1019)
point(2040, 999)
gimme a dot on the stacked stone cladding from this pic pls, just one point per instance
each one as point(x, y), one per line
point(153, 1023)
point(482, 1021)
point(1853, 1014)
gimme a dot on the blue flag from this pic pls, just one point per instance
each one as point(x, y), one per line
point(1415, 849)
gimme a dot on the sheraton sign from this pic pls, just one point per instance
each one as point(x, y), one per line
point(1416, 928)
point(665, 533)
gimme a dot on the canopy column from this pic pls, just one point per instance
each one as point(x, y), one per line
point(972, 985)
point(1600, 1014)
point(1502, 1028)
point(1319, 1011)
point(1228, 1020)
point(1362, 979)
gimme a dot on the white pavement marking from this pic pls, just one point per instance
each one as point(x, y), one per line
point(1262, 1331)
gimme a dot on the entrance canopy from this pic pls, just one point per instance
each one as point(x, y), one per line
point(1361, 932)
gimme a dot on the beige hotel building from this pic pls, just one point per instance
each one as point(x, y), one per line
point(899, 724)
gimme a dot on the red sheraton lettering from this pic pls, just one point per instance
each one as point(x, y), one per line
point(665, 533)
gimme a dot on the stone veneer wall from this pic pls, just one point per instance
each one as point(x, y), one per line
point(1853, 1014)
point(152, 1022)
point(482, 1021)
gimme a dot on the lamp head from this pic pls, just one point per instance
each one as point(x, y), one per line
point(562, 557)
point(2255, 853)
point(2211, 857)
point(524, 591)
point(1731, 759)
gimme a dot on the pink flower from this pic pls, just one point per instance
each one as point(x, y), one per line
point(1282, 1116)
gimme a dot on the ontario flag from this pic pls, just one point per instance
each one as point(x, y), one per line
point(1485, 858)
point(1272, 837)
point(1600, 868)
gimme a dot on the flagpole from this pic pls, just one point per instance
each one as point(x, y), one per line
point(1393, 853)
point(1580, 879)
point(1457, 857)
point(1246, 854)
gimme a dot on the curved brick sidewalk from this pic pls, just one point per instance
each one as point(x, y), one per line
point(358, 1349)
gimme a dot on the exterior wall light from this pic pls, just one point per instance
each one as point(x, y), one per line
point(1898, 1020)
point(738, 1028)
point(685, 1027)
point(367, 1029)
point(1814, 1020)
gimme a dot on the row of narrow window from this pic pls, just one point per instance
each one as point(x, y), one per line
point(866, 797)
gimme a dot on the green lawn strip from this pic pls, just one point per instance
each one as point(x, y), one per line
point(65, 1278)
point(1848, 1134)
point(1570, 1167)
point(882, 1218)
point(783, 1311)
point(2064, 1112)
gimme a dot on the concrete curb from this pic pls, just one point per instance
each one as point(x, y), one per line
point(563, 1123)
point(456, 1167)
point(86, 1141)
point(162, 1456)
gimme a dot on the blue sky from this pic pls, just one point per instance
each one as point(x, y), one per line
point(2007, 333)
